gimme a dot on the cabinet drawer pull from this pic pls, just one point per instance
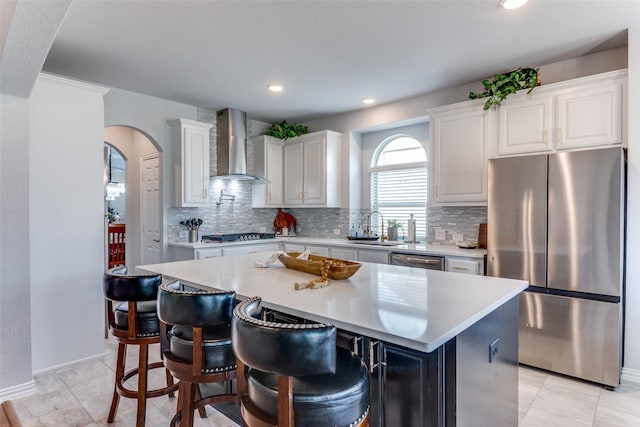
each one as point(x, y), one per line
point(461, 268)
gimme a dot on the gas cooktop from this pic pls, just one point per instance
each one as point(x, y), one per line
point(232, 237)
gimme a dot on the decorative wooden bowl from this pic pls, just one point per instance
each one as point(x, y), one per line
point(315, 263)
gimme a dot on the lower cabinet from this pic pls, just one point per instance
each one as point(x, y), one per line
point(465, 265)
point(406, 385)
point(250, 249)
point(378, 257)
point(344, 253)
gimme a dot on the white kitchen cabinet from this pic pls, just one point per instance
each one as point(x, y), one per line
point(208, 253)
point(312, 170)
point(460, 135)
point(372, 255)
point(580, 113)
point(190, 162)
point(465, 265)
point(293, 247)
point(343, 253)
point(250, 249)
point(268, 158)
point(524, 124)
point(318, 250)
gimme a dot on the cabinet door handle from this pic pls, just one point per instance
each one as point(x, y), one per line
point(437, 191)
point(559, 136)
point(545, 137)
point(374, 361)
point(269, 196)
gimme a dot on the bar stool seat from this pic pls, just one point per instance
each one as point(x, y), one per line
point(134, 321)
point(294, 374)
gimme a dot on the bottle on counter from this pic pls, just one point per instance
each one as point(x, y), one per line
point(352, 232)
point(411, 232)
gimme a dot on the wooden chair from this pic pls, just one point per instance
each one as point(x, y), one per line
point(195, 339)
point(293, 374)
point(134, 322)
point(8, 416)
point(116, 249)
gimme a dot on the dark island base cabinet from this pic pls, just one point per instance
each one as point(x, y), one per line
point(407, 386)
point(459, 383)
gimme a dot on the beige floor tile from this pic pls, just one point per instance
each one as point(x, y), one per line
point(74, 416)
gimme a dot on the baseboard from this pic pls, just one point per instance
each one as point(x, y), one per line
point(631, 375)
point(18, 391)
point(67, 364)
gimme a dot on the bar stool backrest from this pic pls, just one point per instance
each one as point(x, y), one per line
point(281, 348)
point(120, 286)
point(194, 307)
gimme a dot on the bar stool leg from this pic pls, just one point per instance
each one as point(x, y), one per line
point(169, 381)
point(186, 419)
point(201, 410)
point(122, 355)
point(142, 384)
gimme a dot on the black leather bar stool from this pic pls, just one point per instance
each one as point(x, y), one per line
point(293, 374)
point(196, 343)
point(134, 321)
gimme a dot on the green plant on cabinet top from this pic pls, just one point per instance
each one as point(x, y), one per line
point(285, 130)
point(504, 85)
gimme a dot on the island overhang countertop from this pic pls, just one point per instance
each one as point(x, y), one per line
point(415, 308)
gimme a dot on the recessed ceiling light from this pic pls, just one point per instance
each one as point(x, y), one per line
point(275, 88)
point(368, 101)
point(512, 4)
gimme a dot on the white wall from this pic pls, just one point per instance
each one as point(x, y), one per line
point(66, 221)
point(632, 335)
point(15, 311)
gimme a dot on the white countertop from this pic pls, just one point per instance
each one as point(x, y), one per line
point(421, 248)
point(416, 308)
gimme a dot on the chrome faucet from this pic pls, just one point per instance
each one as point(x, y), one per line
point(382, 236)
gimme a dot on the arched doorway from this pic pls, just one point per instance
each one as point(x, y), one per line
point(115, 206)
point(143, 196)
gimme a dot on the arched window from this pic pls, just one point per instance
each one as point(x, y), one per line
point(399, 182)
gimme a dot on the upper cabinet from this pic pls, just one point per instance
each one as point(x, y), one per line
point(579, 113)
point(312, 170)
point(191, 162)
point(269, 163)
point(460, 136)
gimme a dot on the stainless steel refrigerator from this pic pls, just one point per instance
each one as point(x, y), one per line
point(557, 221)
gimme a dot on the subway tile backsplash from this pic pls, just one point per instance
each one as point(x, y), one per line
point(235, 216)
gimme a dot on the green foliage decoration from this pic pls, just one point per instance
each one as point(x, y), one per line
point(503, 85)
point(284, 130)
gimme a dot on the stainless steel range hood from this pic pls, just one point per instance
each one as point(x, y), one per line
point(231, 146)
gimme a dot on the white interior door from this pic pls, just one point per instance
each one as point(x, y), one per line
point(150, 208)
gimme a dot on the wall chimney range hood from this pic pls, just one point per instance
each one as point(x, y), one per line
point(231, 146)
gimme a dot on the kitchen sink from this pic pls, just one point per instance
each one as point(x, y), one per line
point(374, 243)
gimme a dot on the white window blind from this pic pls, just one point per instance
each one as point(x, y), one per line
point(397, 193)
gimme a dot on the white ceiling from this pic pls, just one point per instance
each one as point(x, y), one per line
point(328, 54)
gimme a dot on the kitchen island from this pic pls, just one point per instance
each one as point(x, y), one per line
point(436, 342)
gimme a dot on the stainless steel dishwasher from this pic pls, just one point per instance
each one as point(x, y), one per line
point(430, 262)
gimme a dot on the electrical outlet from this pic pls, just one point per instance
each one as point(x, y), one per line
point(493, 350)
point(441, 234)
point(182, 234)
point(263, 230)
point(457, 237)
point(336, 231)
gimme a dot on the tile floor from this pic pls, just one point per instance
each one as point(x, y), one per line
point(80, 395)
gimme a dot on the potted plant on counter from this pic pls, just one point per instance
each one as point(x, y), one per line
point(392, 229)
